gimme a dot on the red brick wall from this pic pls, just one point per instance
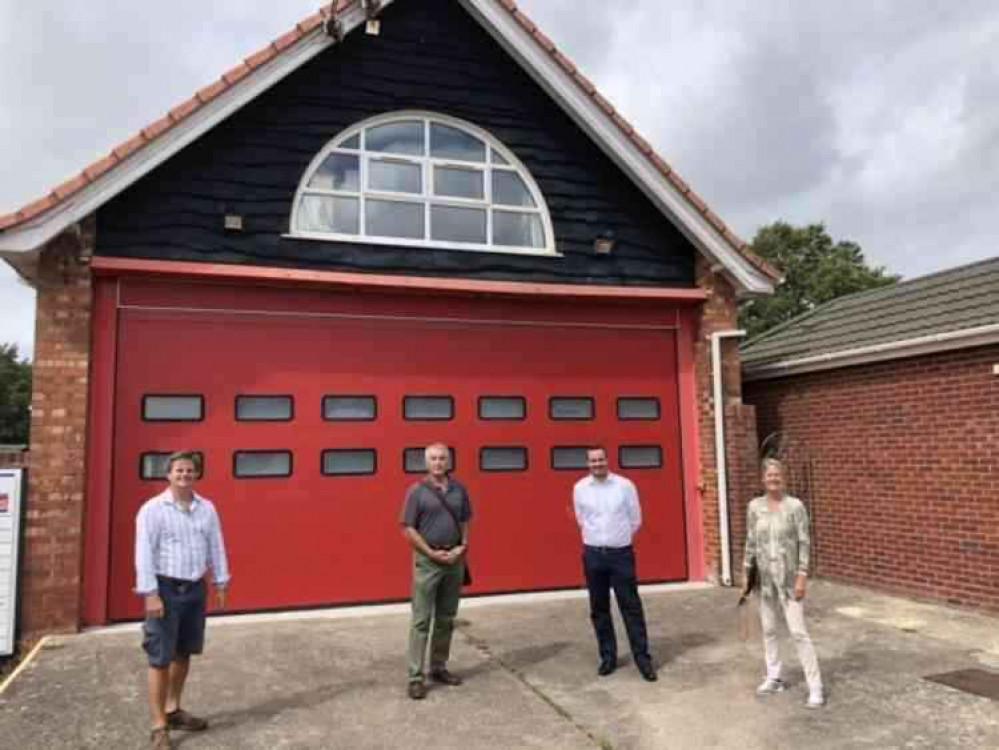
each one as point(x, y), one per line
point(900, 461)
point(53, 532)
point(720, 313)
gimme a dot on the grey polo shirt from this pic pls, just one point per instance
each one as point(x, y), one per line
point(422, 511)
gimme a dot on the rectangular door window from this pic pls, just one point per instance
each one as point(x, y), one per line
point(343, 462)
point(631, 407)
point(428, 407)
point(264, 408)
point(154, 465)
point(186, 408)
point(414, 460)
point(506, 458)
point(569, 457)
point(260, 464)
point(564, 407)
point(640, 456)
point(502, 407)
point(349, 408)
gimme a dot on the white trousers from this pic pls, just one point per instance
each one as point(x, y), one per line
point(794, 615)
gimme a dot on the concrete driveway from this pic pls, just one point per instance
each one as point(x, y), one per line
point(337, 680)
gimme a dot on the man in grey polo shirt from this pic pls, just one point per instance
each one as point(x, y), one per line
point(435, 518)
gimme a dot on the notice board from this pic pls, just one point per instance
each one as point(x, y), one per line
point(11, 495)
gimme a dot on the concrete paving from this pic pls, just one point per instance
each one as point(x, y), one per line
point(337, 680)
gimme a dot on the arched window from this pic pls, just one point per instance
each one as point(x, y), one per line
point(422, 180)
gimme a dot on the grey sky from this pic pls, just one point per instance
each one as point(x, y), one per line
point(878, 117)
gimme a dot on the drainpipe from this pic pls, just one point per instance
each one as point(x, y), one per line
point(716, 372)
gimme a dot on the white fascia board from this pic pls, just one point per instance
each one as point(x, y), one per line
point(36, 232)
point(923, 345)
point(581, 107)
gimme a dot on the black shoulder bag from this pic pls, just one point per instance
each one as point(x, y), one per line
point(467, 580)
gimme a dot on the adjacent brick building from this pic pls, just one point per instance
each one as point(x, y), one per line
point(886, 406)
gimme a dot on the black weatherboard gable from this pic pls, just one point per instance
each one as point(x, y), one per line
point(432, 56)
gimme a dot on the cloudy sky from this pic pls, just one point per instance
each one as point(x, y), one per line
point(879, 118)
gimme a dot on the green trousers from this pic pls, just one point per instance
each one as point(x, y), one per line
point(436, 595)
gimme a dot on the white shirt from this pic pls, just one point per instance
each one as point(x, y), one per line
point(178, 543)
point(607, 511)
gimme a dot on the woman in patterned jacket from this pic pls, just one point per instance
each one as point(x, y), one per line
point(778, 545)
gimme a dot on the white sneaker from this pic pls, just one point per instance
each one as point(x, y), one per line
point(816, 698)
point(769, 686)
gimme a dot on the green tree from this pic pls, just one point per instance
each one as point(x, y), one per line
point(15, 395)
point(815, 269)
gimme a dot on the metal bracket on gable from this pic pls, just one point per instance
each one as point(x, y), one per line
point(333, 27)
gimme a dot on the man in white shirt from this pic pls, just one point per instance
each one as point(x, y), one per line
point(608, 514)
point(178, 539)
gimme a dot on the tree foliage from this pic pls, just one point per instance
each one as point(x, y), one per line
point(15, 395)
point(815, 269)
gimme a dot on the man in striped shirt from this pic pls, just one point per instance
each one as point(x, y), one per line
point(178, 538)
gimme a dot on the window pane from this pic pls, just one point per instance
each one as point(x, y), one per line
point(394, 219)
point(517, 230)
point(450, 143)
point(414, 460)
point(498, 157)
point(263, 408)
point(502, 407)
point(338, 172)
point(173, 408)
point(324, 213)
point(452, 224)
point(395, 176)
point(571, 408)
point(404, 137)
point(428, 407)
point(509, 189)
point(262, 464)
point(349, 408)
point(154, 465)
point(638, 408)
point(353, 142)
point(503, 459)
point(569, 458)
point(455, 182)
point(640, 456)
point(354, 461)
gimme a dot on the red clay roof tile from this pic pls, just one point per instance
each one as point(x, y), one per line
point(154, 130)
point(236, 73)
point(70, 186)
point(287, 39)
point(678, 182)
point(261, 56)
point(564, 62)
point(183, 109)
point(623, 124)
point(133, 144)
point(36, 207)
point(698, 202)
point(212, 90)
point(524, 21)
point(544, 41)
point(8, 220)
point(585, 83)
point(99, 167)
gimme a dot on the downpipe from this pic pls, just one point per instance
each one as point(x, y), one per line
point(720, 460)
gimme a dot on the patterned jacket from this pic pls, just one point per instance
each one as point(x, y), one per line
point(778, 542)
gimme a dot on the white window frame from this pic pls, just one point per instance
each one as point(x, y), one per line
point(427, 197)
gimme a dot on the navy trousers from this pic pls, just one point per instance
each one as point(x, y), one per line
point(606, 569)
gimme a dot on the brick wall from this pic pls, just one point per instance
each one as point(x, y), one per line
point(899, 463)
point(720, 313)
point(13, 459)
point(53, 530)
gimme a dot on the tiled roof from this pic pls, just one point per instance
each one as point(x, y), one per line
point(959, 299)
point(185, 109)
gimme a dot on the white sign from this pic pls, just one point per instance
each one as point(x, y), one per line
point(11, 483)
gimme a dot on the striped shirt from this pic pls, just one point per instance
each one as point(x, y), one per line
point(178, 543)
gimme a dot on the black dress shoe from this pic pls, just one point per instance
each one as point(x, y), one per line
point(417, 691)
point(445, 678)
point(648, 670)
point(606, 667)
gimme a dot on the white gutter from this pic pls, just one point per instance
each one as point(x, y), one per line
point(720, 462)
point(937, 342)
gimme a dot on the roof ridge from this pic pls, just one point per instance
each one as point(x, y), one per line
point(185, 109)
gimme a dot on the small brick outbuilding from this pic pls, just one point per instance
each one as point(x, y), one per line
point(886, 405)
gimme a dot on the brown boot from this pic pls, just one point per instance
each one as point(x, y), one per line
point(181, 719)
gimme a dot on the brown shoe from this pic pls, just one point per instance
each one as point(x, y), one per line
point(445, 678)
point(181, 719)
point(417, 691)
point(159, 739)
